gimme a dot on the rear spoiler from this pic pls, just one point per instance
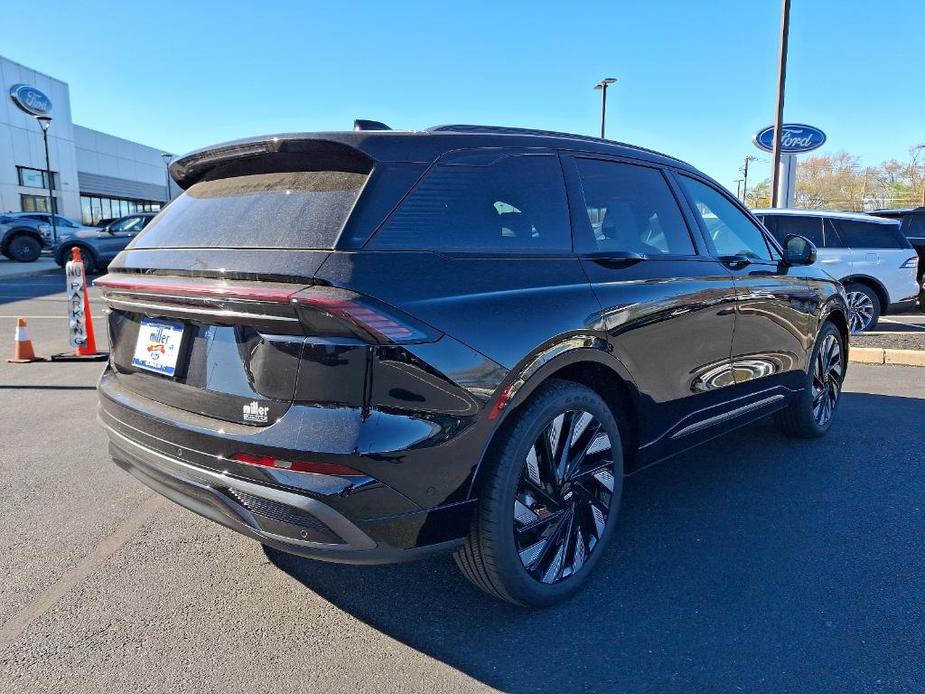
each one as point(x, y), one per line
point(266, 155)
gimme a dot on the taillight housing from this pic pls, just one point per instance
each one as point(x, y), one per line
point(913, 262)
point(297, 465)
point(340, 312)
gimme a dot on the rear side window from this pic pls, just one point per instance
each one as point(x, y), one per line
point(631, 208)
point(810, 227)
point(516, 204)
point(301, 209)
point(868, 234)
point(730, 230)
point(913, 225)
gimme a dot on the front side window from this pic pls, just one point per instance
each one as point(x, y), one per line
point(631, 209)
point(856, 234)
point(516, 204)
point(731, 231)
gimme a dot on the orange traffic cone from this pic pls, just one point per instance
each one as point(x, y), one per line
point(22, 347)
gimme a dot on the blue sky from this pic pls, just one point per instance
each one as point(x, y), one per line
point(696, 79)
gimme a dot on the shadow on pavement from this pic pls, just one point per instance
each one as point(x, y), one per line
point(755, 562)
point(32, 287)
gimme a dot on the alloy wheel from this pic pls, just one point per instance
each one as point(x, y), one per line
point(563, 497)
point(827, 379)
point(860, 311)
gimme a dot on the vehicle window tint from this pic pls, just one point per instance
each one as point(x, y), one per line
point(868, 234)
point(298, 209)
point(810, 227)
point(732, 232)
point(631, 208)
point(914, 225)
point(516, 204)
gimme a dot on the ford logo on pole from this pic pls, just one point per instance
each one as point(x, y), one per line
point(796, 138)
point(30, 100)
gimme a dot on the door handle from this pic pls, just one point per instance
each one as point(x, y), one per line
point(735, 261)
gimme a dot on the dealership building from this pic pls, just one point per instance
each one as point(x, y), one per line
point(95, 175)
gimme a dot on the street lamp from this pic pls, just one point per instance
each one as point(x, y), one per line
point(167, 156)
point(602, 85)
point(45, 121)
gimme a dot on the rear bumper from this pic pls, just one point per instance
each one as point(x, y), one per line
point(902, 306)
point(287, 521)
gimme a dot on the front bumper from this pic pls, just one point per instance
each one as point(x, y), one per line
point(290, 522)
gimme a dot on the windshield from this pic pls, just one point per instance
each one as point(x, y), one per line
point(302, 209)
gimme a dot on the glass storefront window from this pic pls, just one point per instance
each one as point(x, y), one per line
point(93, 208)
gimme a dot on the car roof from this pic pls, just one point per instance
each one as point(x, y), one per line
point(414, 146)
point(833, 214)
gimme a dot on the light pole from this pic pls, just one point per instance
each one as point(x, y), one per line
point(167, 156)
point(602, 85)
point(45, 121)
point(920, 148)
point(779, 118)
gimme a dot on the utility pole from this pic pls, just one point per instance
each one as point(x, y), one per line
point(602, 85)
point(739, 194)
point(779, 118)
point(748, 158)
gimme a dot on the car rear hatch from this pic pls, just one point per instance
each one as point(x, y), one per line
point(215, 307)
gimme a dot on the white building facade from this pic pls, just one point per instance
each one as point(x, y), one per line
point(96, 176)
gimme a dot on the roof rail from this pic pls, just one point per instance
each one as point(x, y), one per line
point(504, 130)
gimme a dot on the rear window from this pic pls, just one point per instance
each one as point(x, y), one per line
point(868, 234)
point(515, 205)
point(914, 225)
point(302, 209)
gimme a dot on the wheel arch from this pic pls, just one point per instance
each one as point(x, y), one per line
point(19, 231)
point(592, 367)
point(872, 283)
point(85, 250)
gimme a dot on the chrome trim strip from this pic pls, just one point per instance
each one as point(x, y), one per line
point(355, 538)
point(725, 416)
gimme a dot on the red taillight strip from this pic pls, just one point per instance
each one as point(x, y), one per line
point(297, 466)
point(216, 289)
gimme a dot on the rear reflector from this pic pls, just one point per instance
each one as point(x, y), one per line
point(296, 466)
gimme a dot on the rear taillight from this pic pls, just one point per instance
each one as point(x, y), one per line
point(911, 263)
point(297, 466)
point(361, 315)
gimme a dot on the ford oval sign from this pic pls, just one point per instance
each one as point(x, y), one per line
point(30, 100)
point(796, 138)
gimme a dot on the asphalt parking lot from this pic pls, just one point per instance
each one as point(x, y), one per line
point(755, 563)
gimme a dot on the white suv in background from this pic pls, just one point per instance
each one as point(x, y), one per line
point(869, 255)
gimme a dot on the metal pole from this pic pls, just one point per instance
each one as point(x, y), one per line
point(779, 118)
point(51, 187)
point(167, 175)
point(745, 180)
point(603, 108)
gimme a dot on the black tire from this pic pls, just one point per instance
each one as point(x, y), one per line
point(861, 295)
point(801, 418)
point(578, 531)
point(89, 260)
point(24, 248)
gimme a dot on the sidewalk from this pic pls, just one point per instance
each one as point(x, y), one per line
point(10, 269)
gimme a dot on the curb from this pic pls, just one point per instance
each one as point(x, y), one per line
point(878, 355)
point(19, 274)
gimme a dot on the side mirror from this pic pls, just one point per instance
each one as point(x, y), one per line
point(799, 250)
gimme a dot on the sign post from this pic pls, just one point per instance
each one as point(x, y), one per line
point(795, 138)
point(79, 320)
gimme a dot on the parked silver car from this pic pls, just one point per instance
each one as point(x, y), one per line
point(869, 255)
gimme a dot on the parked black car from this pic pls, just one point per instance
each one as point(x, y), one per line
point(367, 346)
point(99, 246)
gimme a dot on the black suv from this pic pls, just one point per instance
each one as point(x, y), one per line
point(367, 346)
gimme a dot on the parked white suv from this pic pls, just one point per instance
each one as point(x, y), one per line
point(869, 255)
